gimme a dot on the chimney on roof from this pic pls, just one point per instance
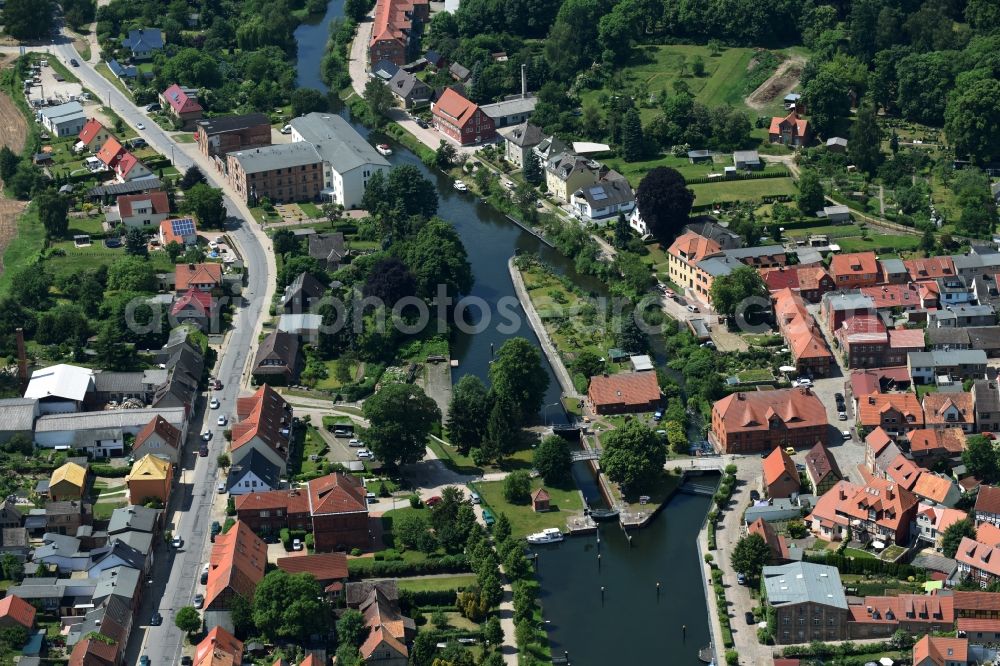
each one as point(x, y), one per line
point(22, 361)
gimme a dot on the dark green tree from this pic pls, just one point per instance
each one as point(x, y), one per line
point(307, 100)
point(379, 99)
point(501, 434)
point(518, 378)
point(131, 273)
point(174, 250)
point(205, 203)
point(972, 121)
point(52, 212)
point(633, 143)
point(533, 169)
point(136, 242)
point(437, 257)
point(29, 19)
point(864, 147)
point(730, 291)
point(193, 176)
point(401, 417)
point(492, 632)
point(468, 413)
point(954, 534)
point(810, 197)
point(553, 460)
point(445, 155)
point(188, 619)
point(980, 459)
point(588, 364)
point(517, 487)
point(633, 456)
point(664, 202)
point(750, 556)
point(351, 628)
point(285, 242)
point(289, 606)
point(8, 163)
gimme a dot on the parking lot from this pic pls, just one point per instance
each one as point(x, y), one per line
point(49, 90)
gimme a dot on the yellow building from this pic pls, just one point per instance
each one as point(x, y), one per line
point(567, 173)
point(68, 482)
point(151, 477)
point(685, 253)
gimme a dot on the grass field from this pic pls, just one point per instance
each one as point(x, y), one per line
point(90, 257)
point(436, 584)
point(23, 248)
point(742, 190)
point(657, 68)
point(878, 241)
point(523, 520)
point(636, 171)
point(103, 70)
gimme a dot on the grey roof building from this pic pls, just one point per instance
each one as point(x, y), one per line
point(746, 159)
point(947, 337)
point(253, 467)
point(17, 415)
point(121, 581)
point(143, 42)
point(804, 582)
point(709, 228)
point(278, 358)
point(408, 88)
point(280, 156)
point(519, 140)
point(329, 249)
point(133, 517)
point(510, 111)
point(302, 293)
point(986, 338)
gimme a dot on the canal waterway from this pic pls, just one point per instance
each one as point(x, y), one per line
point(632, 624)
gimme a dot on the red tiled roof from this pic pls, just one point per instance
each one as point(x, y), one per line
point(324, 567)
point(937, 406)
point(218, 640)
point(929, 268)
point(110, 152)
point(776, 464)
point(820, 463)
point(903, 471)
point(877, 440)
point(187, 274)
point(90, 130)
point(932, 487)
point(168, 229)
point(753, 410)
point(540, 495)
point(774, 541)
point(237, 563)
point(392, 19)
point(825, 510)
point(262, 416)
point(988, 500)
point(935, 608)
point(976, 601)
point(854, 263)
point(158, 200)
point(200, 300)
point(926, 440)
point(456, 108)
point(940, 650)
point(906, 338)
point(159, 425)
point(336, 493)
point(630, 388)
point(801, 125)
point(891, 503)
point(692, 247)
point(863, 329)
point(93, 652)
point(292, 501)
point(179, 100)
point(126, 163)
point(376, 637)
point(871, 407)
point(13, 607)
point(894, 295)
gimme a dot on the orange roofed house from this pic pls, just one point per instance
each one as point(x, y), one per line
point(264, 422)
point(775, 542)
point(754, 421)
point(858, 269)
point(235, 567)
point(332, 507)
point(219, 648)
point(941, 651)
point(879, 510)
point(462, 120)
point(202, 277)
point(809, 351)
point(882, 616)
point(683, 256)
point(977, 614)
point(950, 410)
point(624, 393)
point(16, 612)
point(810, 282)
point(790, 130)
point(896, 413)
point(780, 477)
point(979, 558)
point(396, 29)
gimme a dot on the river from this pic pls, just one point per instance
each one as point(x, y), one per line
point(632, 624)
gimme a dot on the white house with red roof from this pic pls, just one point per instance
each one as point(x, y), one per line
point(92, 136)
point(139, 210)
point(111, 152)
point(130, 168)
point(182, 104)
point(264, 423)
point(462, 120)
point(194, 307)
point(181, 230)
point(790, 130)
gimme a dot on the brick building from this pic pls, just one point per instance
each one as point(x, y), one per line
point(396, 30)
point(808, 602)
point(462, 120)
point(226, 134)
point(780, 477)
point(749, 422)
point(286, 172)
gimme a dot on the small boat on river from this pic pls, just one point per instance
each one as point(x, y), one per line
point(549, 535)
point(383, 149)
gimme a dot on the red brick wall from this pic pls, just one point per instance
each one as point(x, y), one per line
point(348, 530)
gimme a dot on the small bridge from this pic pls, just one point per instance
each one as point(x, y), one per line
point(586, 454)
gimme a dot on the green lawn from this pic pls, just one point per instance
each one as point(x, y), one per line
point(183, 137)
point(103, 510)
point(311, 209)
point(879, 241)
point(858, 554)
point(438, 584)
point(103, 70)
point(23, 248)
point(742, 190)
point(523, 520)
point(453, 459)
point(90, 257)
point(657, 68)
point(313, 444)
point(86, 225)
point(331, 383)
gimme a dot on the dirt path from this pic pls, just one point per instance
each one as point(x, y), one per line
point(779, 84)
point(13, 129)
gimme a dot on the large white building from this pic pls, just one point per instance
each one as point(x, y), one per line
point(63, 120)
point(101, 433)
point(349, 161)
point(60, 388)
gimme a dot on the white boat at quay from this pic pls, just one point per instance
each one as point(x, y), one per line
point(550, 535)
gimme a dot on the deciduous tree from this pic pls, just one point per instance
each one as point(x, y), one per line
point(401, 417)
point(980, 459)
point(730, 292)
point(379, 99)
point(193, 176)
point(188, 619)
point(810, 197)
point(468, 412)
point(351, 628)
point(136, 242)
point(750, 555)
point(518, 377)
point(289, 606)
point(633, 456)
point(664, 202)
point(553, 460)
point(864, 147)
point(28, 19)
point(52, 212)
point(972, 121)
point(954, 534)
point(307, 100)
point(517, 487)
point(205, 203)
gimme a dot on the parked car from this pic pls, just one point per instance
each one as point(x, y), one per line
point(476, 499)
point(355, 442)
point(754, 496)
point(431, 501)
point(296, 544)
point(846, 434)
point(842, 416)
point(216, 384)
point(155, 106)
point(216, 527)
point(803, 382)
point(789, 450)
point(214, 403)
point(839, 397)
point(422, 123)
point(222, 420)
point(741, 579)
point(365, 454)
point(220, 487)
point(204, 574)
point(488, 518)
point(144, 661)
point(156, 620)
point(692, 308)
point(140, 126)
point(371, 498)
point(199, 600)
point(186, 661)
point(203, 451)
point(177, 542)
point(206, 435)
point(287, 129)
point(750, 618)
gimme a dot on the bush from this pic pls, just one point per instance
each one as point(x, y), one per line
point(286, 538)
point(371, 568)
point(415, 502)
point(517, 487)
point(424, 599)
point(310, 541)
point(110, 471)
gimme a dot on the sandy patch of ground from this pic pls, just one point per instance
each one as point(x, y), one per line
point(779, 84)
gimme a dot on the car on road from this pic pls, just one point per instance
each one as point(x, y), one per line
point(214, 403)
point(741, 579)
point(692, 308)
point(203, 451)
point(355, 442)
point(476, 499)
point(204, 574)
point(751, 620)
point(789, 450)
point(669, 293)
point(206, 435)
point(431, 501)
point(221, 487)
point(156, 620)
point(140, 126)
point(144, 661)
point(364, 454)
point(800, 467)
point(842, 416)
point(222, 420)
point(422, 124)
point(199, 600)
point(296, 544)
point(73, 62)
point(217, 385)
point(177, 542)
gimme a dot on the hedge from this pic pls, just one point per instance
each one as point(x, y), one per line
point(109, 471)
point(848, 565)
point(841, 650)
point(743, 175)
point(425, 598)
point(369, 568)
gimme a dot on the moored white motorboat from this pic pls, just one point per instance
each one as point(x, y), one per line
point(384, 149)
point(550, 535)
point(461, 186)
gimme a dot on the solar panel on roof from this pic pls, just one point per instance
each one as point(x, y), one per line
point(183, 227)
point(598, 193)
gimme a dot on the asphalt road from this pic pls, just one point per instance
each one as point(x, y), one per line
point(176, 573)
